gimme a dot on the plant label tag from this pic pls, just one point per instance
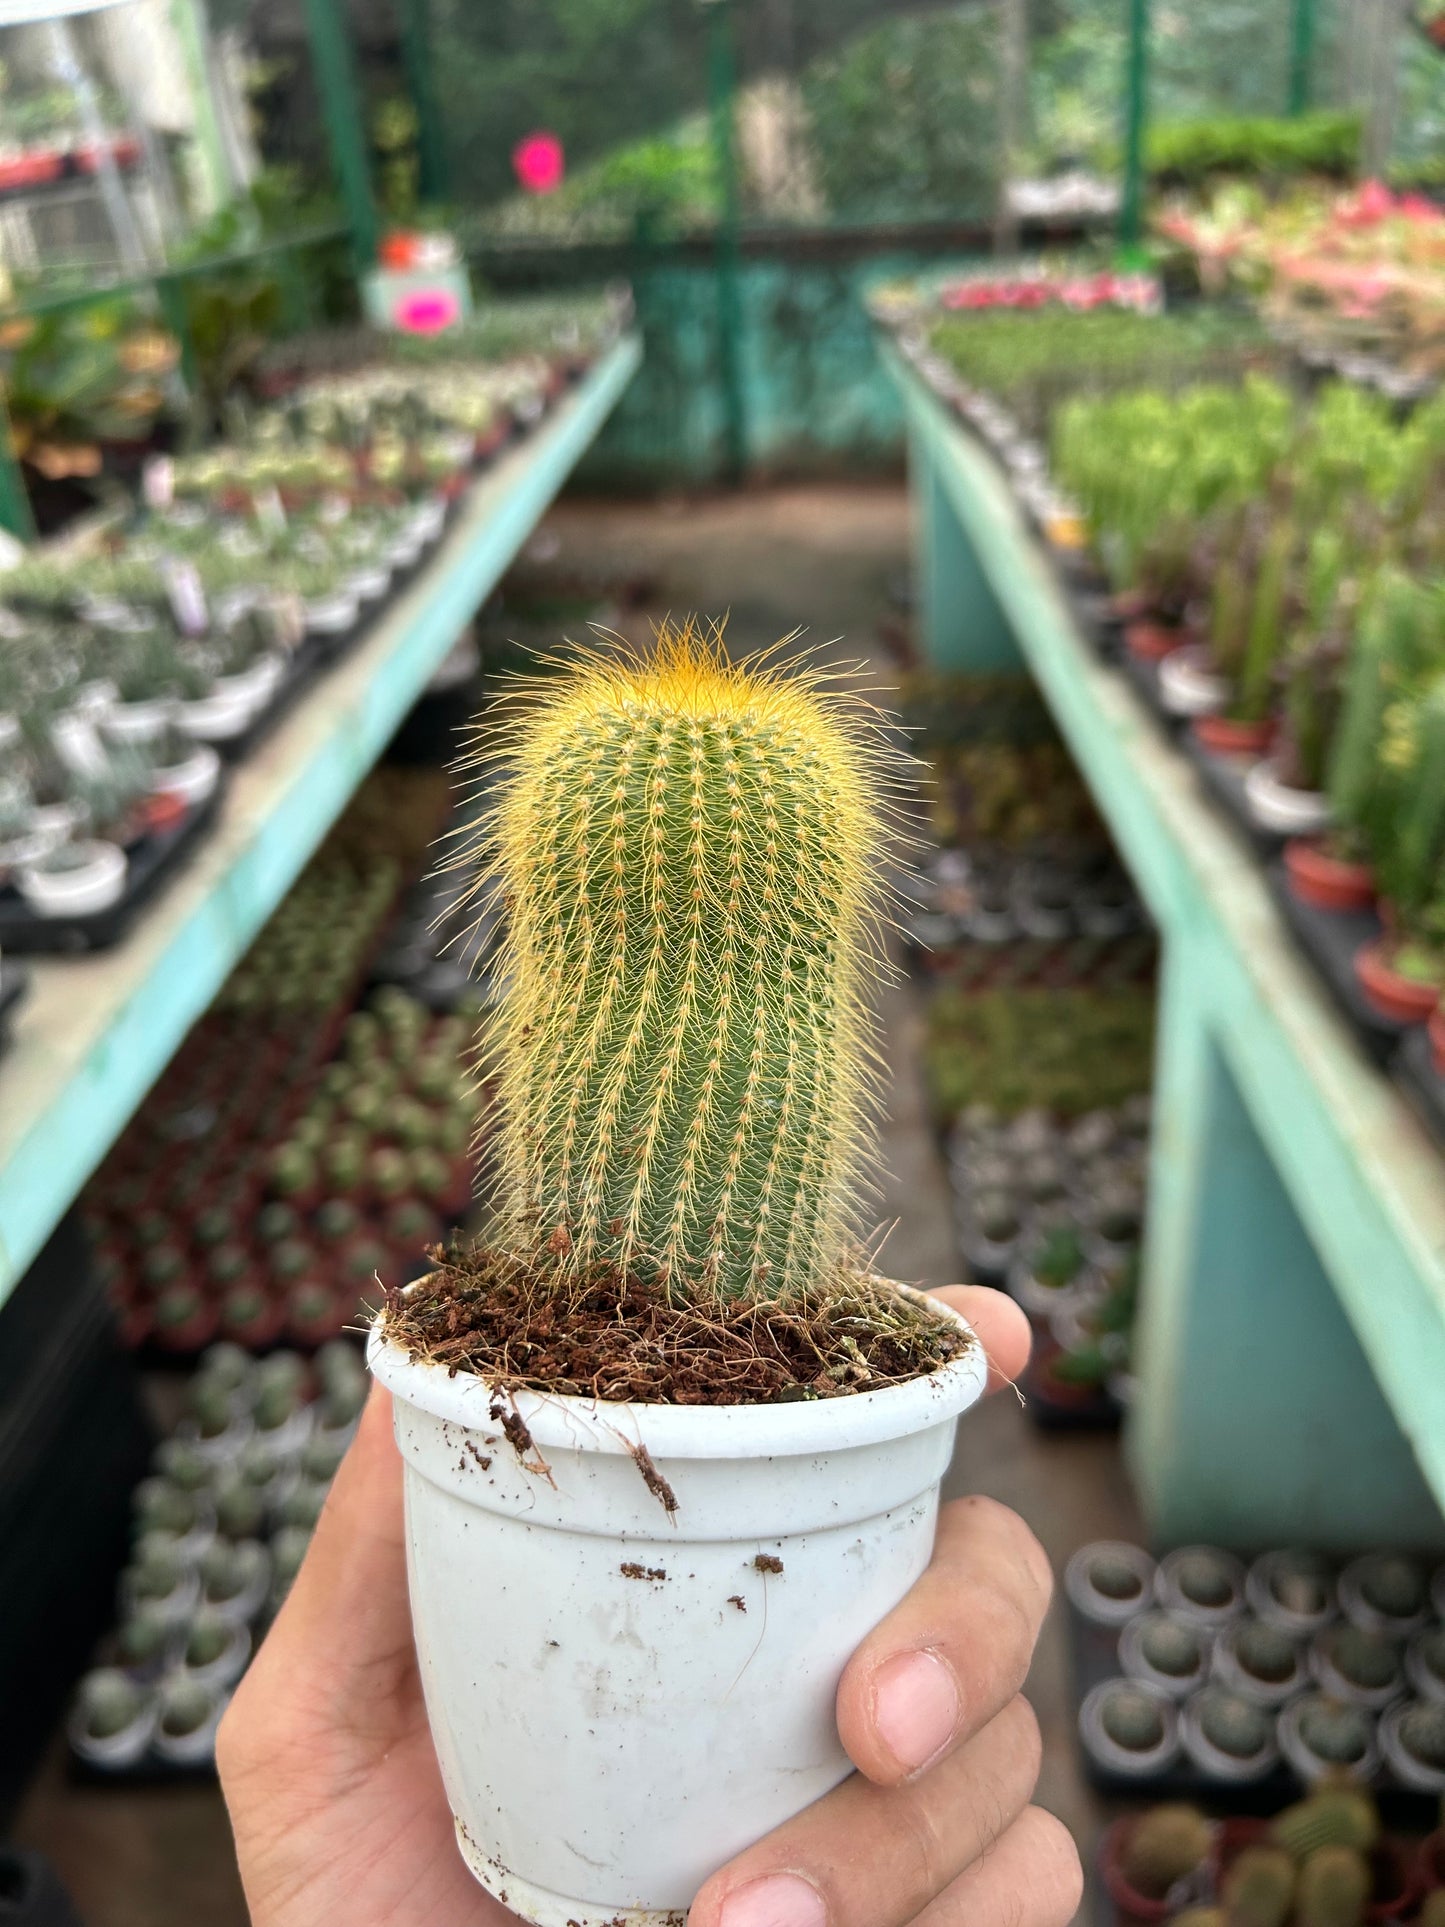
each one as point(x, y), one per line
point(158, 483)
point(270, 511)
point(187, 598)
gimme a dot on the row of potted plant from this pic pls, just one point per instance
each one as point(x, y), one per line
point(220, 1526)
point(1358, 276)
point(133, 665)
point(1279, 563)
point(1287, 1671)
point(1030, 287)
point(363, 1161)
point(1053, 1213)
point(1325, 1861)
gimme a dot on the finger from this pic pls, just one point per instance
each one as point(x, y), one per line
point(954, 1651)
point(1003, 1328)
point(1030, 1878)
point(864, 1856)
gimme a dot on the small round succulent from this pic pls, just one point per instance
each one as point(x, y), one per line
point(209, 1637)
point(1114, 1577)
point(227, 1365)
point(337, 1220)
point(1133, 1719)
point(365, 1104)
point(276, 1222)
point(276, 1404)
point(143, 1637)
point(1422, 1734)
point(109, 1703)
point(320, 1458)
point(157, 1572)
point(282, 1368)
point(1233, 1724)
point(411, 1124)
point(163, 1267)
point(160, 1506)
point(178, 1461)
point(240, 1509)
point(293, 1170)
point(302, 1504)
point(212, 1408)
point(227, 1264)
point(288, 1549)
point(177, 1306)
point(997, 1217)
point(1394, 1586)
point(341, 1403)
point(1367, 1660)
point(1264, 1652)
point(1204, 1578)
point(1335, 1733)
point(1301, 1583)
point(216, 1225)
point(388, 1172)
point(452, 1132)
point(1170, 1647)
point(228, 1568)
point(185, 1708)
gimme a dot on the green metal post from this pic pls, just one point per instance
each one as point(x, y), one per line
point(1136, 116)
point(15, 515)
point(341, 109)
point(421, 83)
point(1301, 55)
point(721, 86)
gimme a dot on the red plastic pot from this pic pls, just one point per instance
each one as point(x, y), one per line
point(1226, 736)
point(1401, 1000)
point(1396, 1881)
point(1150, 641)
point(1430, 1863)
point(31, 170)
point(1327, 882)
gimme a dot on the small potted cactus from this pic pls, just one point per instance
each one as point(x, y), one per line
point(1147, 1859)
point(1129, 1729)
point(1227, 1735)
point(1166, 1651)
point(112, 1720)
point(690, 849)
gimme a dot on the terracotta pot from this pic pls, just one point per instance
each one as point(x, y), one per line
point(1430, 1866)
point(1129, 1903)
point(1327, 882)
point(1437, 1053)
point(1149, 641)
point(1233, 1836)
point(1226, 736)
point(1399, 999)
point(1397, 1883)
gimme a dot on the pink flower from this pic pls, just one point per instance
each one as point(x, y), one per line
point(538, 163)
point(427, 311)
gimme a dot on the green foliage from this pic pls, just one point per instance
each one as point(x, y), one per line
point(1036, 362)
point(1193, 152)
point(903, 120)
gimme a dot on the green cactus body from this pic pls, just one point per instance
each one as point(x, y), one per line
point(1421, 844)
point(1353, 761)
point(1259, 1887)
point(1266, 623)
point(1333, 1817)
point(1163, 1846)
point(1334, 1889)
point(688, 849)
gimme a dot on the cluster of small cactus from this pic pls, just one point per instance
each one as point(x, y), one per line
point(690, 850)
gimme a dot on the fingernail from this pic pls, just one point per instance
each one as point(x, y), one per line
point(915, 1707)
point(779, 1900)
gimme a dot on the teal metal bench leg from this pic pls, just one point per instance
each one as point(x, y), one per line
point(962, 627)
point(1257, 1420)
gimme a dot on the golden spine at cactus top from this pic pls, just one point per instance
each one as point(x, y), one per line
point(691, 851)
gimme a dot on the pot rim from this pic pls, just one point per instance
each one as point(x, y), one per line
point(811, 1426)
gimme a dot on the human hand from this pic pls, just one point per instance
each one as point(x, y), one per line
point(337, 1803)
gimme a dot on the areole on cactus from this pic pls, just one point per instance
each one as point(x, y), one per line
point(691, 851)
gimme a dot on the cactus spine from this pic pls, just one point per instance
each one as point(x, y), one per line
point(1259, 1887)
point(689, 849)
point(1334, 1889)
point(1163, 1846)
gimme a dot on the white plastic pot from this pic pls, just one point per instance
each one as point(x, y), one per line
point(624, 1696)
point(332, 615)
point(138, 722)
point(369, 584)
point(1282, 810)
point(193, 780)
point(1187, 684)
point(92, 886)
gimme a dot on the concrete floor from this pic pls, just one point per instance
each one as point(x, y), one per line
point(822, 558)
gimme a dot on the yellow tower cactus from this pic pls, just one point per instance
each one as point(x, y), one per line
point(691, 852)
